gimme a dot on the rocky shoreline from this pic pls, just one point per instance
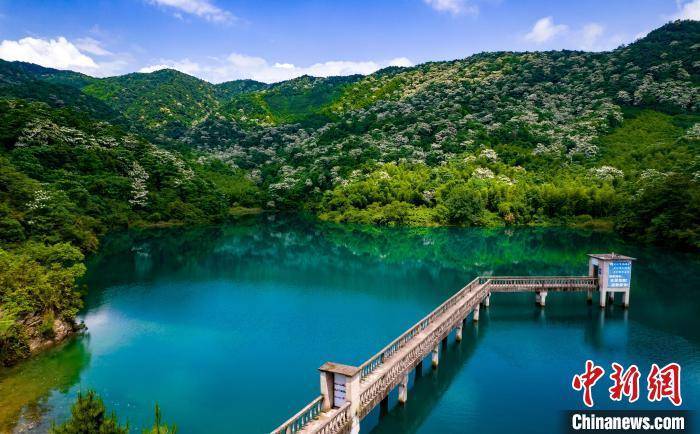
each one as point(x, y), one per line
point(33, 335)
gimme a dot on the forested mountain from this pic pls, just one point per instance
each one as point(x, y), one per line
point(563, 137)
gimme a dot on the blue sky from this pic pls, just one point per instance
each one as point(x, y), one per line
point(220, 40)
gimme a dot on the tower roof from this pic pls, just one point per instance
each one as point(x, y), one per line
point(610, 256)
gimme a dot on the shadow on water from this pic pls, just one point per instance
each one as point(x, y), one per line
point(25, 388)
point(426, 390)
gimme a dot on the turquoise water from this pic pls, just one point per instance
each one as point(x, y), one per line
point(225, 326)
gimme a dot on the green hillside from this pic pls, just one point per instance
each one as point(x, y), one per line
point(59, 89)
point(304, 100)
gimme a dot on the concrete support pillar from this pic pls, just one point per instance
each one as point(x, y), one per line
point(355, 425)
point(352, 393)
point(403, 390)
point(436, 356)
point(384, 406)
point(589, 296)
point(476, 313)
point(543, 298)
point(626, 298)
point(327, 390)
point(458, 331)
point(611, 297)
point(602, 298)
point(487, 300)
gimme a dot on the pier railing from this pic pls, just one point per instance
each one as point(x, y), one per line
point(539, 283)
point(339, 422)
point(387, 352)
point(433, 328)
point(302, 418)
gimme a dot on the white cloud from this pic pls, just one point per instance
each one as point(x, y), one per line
point(688, 10)
point(593, 37)
point(201, 8)
point(53, 53)
point(92, 46)
point(545, 30)
point(60, 53)
point(454, 7)
point(240, 66)
point(185, 65)
point(590, 35)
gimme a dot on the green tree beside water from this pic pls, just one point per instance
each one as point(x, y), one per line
point(89, 416)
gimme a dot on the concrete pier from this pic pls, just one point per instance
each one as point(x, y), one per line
point(384, 407)
point(349, 393)
point(403, 390)
point(541, 298)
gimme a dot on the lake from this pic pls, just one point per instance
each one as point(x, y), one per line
point(226, 326)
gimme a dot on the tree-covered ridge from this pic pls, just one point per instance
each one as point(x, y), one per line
point(549, 105)
point(59, 89)
point(305, 100)
point(164, 103)
point(657, 200)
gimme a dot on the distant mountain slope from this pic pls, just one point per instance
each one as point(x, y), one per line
point(547, 103)
point(302, 99)
point(547, 113)
point(57, 88)
point(227, 90)
point(164, 103)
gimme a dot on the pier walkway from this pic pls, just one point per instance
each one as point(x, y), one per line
point(349, 393)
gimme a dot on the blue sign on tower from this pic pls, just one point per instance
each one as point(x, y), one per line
point(619, 273)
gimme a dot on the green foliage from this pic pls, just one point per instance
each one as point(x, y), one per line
point(462, 203)
point(664, 209)
point(164, 103)
point(472, 191)
point(159, 427)
point(649, 140)
point(89, 416)
point(14, 344)
point(39, 279)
